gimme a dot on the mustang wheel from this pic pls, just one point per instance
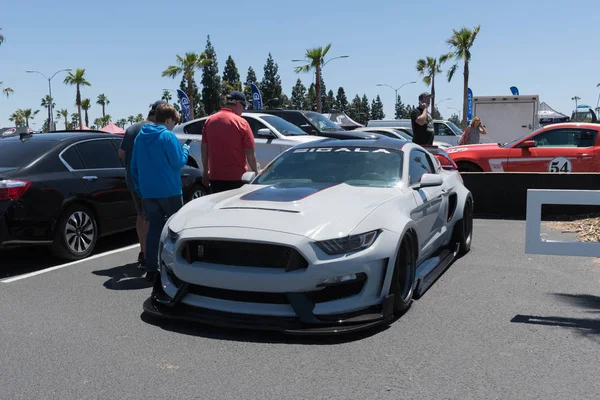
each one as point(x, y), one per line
point(76, 233)
point(463, 229)
point(197, 192)
point(403, 279)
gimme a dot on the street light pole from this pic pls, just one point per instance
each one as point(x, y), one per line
point(396, 90)
point(441, 101)
point(50, 108)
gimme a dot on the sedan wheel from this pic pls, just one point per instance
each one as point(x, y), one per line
point(76, 233)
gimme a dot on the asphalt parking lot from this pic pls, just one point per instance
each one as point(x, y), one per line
point(499, 324)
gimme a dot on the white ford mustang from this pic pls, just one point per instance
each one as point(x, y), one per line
point(332, 236)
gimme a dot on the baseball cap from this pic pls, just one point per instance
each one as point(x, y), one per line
point(424, 95)
point(237, 96)
point(156, 104)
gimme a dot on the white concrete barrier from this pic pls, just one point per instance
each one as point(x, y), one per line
point(535, 243)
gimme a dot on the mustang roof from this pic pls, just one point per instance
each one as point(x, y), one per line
point(381, 142)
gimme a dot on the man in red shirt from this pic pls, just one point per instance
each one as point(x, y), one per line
point(227, 146)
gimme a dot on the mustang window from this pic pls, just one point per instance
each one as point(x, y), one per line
point(350, 165)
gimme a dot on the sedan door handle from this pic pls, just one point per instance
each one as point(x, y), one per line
point(90, 178)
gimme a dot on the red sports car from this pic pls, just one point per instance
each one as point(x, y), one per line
point(558, 148)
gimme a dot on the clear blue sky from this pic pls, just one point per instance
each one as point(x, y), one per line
point(547, 48)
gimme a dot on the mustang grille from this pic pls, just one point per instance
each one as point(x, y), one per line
point(329, 293)
point(243, 254)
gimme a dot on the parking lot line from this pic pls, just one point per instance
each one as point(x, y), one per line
point(107, 253)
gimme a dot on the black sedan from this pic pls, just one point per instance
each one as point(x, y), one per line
point(67, 189)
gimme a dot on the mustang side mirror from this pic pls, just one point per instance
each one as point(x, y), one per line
point(528, 143)
point(248, 176)
point(429, 180)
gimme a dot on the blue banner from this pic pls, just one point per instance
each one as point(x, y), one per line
point(256, 97)
point(514, 90)
point(185, 104)
point(469, 105)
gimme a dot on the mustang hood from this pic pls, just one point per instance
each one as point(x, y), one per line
point(318, 211)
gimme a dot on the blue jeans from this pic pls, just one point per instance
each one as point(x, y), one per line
point(157, 212)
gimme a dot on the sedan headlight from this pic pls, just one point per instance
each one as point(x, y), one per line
point(349, 244)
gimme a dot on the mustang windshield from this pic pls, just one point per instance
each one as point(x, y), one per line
point(356, 166)
point(322, 122)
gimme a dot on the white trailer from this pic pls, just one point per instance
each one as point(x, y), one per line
point(506, 117)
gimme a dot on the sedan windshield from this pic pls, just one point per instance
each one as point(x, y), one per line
point(356, 166)
point(284, 127)
point(457, 131)
point(322, 123)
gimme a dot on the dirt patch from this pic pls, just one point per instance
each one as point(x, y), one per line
point(587, 227)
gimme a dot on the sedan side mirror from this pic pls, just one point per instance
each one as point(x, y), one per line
point(248, 177)
point(528, 143)
point(265, 133)
point(429, 180)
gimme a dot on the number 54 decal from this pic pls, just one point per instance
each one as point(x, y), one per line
point(560, 164)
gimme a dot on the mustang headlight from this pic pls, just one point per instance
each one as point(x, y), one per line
point(349, 244)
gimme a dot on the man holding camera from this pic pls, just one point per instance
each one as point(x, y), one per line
point(422, 123)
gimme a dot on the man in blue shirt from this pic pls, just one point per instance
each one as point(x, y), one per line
point(156, 165)
point(125, 152)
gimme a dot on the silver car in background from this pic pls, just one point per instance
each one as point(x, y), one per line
point(272, 136)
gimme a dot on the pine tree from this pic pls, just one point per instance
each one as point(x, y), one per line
point(270, 86)
point(365, 110)
point(298, 99)
point(377, 109)
point(311, 98)
point(286, 103)
point(250, 78)
point(329, 103)
point(231, 76)
point(211, 82)
point(354, 109)
point(341, 101)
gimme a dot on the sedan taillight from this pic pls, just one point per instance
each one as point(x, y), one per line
point(13, 189)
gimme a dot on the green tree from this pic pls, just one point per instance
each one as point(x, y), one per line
point(231, 76)
point(211, 81)
point(1, 37)
point(6, 90)
point(77, 79)
point(354, 109)
point(187, 66)
point(429, 67)
point(86, 104)
point(166, 96)
point(64, 114)
point(18, 117)
point(250, 78)
point(270, 86)
point(402, 111)
point(48, 103)
point(329, 102)
point(298, 99)
point(365, 110)
point(460, 43)
point(377, 108)
point(316, 59)
point(103, 101)
point(311, 98)
point(454, 118)
point(341, 101)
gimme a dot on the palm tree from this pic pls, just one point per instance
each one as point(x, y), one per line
point(64, 113)
point(461, 43)
point(6, 90)
point(187, 66)
point(29, 114)
point(48, 102)
point(17, 117)
point(121, 123)
point(430, 67)
point(1, 37)
point(316, 56)
point(77, 79)
point(166, 96)
point(103, 101)
point(86, 104)
point(131, 119)
point(139, 118)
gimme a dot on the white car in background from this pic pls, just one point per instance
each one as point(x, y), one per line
point(272, 136)
point(401, 133)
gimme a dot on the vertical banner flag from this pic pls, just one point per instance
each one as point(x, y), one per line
point(185, 104)
point(256, 97)
point(469, 105)
point(514, 90)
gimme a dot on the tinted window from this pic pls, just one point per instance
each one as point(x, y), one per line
point(99, 154)
point(71, 157)
point(442, 130)
point(566, 138)
point(14, 153)
point(350, 165)
point(195, 128)
point(322, 123)
point(419, 164)
point(255, 125)
point(283, 126)
point(457, 131)
point(295, 118)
